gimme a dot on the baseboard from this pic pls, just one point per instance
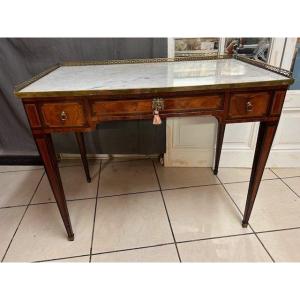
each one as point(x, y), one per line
point(106, 156)
point(22, 160)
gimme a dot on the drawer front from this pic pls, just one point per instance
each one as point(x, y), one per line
point(211, 102)
point(121, 107)
point(249, 104)
point(145, 106)
point(69, 114)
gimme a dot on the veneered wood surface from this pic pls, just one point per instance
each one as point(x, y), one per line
point(33, 115)
point(278, 103)
point(259, 102)
point(73, 111)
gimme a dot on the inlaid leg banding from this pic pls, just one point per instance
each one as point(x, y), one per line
point(264, 142)
point(46, 149)
point(220, 137)
point(82, 149)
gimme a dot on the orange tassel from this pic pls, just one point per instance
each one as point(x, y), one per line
point(156, 118)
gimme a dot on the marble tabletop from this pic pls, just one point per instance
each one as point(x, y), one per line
point(150, 75)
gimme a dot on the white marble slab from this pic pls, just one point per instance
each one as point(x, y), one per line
point(151, 75)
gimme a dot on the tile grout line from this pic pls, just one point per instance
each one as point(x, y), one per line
point(132, 193)
point(248, 224)
point(245, 181)
point(125, 194)
point(273, 260)
point(222, 184)
point(22, 217)
point(161, 193)
point(215, 237)
point(61, 258)
point(276, 230)
point(284, 177)
point(132, 249)
point(287, 185)
point(274, 173)
point(95, 212)
point(108, 252)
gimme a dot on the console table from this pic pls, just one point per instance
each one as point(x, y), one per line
point(75, 96)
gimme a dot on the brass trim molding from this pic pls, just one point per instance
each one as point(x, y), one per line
point(206, 56)
point(264, 65)
point(23, 84)
point(147, 60)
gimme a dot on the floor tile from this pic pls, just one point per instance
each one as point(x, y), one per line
point(276, 206)
point(74, 183)
point(202, 212)
point(286, 172)
point(127, 177)
point(245, 248)
point(184, 177)
point(227, 175)
point(19, 168)
point(9, 220)
point(166, 253)
point(17, 188)
point(294, 184)
point(283, 245)
point(42, 235)
point(83, 259)
point(130, 221)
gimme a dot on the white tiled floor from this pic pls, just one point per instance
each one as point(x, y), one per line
point(138, 211)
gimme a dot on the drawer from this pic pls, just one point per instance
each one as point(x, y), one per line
point(249, 104)
point(167, 105)
point(70, 114)
point(208, 102)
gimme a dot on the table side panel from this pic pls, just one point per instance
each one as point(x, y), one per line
point(277, 104)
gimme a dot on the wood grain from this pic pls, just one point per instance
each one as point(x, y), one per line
point(238, 104)
point(52, 114)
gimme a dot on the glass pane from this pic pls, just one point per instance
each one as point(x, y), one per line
point(256, 48)
point(196, 46)
point(296, 69)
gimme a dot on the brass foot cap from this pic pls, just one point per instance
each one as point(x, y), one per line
point(71, 238)
point(244, 225)
point(89, 180)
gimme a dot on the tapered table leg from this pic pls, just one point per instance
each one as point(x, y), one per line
point(220, 137)
point(81, 145)
point(46, 149)
point(264, 142)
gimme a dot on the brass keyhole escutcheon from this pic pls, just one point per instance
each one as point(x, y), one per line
point(63, 116)
point(249, 106)
point(157, 104)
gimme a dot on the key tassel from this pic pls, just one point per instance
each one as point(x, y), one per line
point(156, 118)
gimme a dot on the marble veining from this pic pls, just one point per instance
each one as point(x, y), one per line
point(150, 75)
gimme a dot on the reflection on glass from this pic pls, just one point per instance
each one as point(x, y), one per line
point(196, 46)
point(255, 48)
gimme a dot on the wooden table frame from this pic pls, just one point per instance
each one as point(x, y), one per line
point(80, 112)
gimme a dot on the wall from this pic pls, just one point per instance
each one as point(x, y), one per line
point(20, 59)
